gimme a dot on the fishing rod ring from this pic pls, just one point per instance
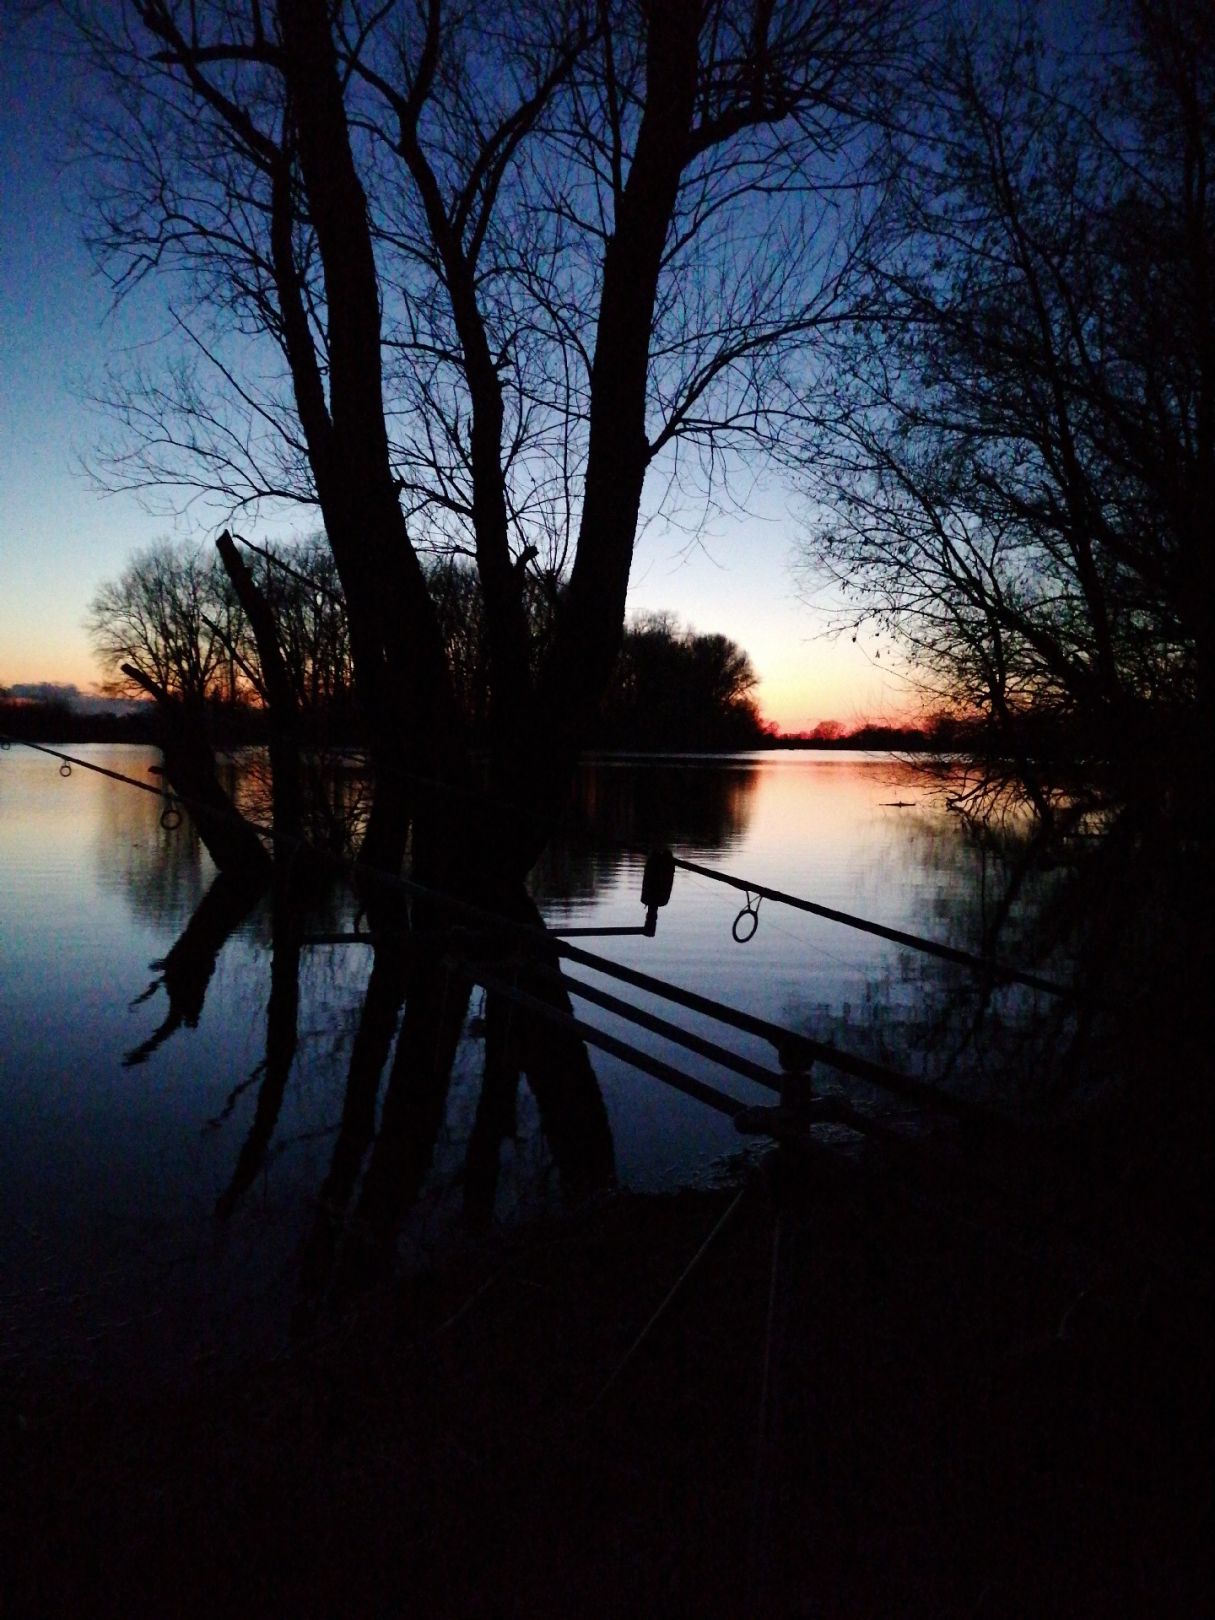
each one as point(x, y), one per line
point(65, 769)
point(170, 817)
point(747, 920)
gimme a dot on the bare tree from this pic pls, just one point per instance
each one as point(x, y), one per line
point(1031, 428)
point(510, 259)
point(171, 615)
point(303, 593)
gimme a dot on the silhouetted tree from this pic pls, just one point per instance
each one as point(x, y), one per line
point(506, 258)
point(674, 689)
point(172, 615)
point(1024, 490)
point(300, 586)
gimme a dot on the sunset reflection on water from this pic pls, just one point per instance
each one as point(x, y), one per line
point(119, 1169)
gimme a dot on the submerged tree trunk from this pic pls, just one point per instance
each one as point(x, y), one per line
point(281, 705)
point(189, 768)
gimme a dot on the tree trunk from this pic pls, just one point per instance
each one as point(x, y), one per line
point(400, 663)
point(286, 786)
point(189, 766)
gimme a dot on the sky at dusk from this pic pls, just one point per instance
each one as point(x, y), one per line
point(60, 538)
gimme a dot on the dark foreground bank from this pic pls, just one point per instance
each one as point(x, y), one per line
point(978, 1411)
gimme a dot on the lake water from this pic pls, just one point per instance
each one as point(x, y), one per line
point(125, 1120)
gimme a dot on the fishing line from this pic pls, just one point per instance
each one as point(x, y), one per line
point(806, 942)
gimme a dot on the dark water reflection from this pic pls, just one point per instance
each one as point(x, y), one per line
point(620, 809)
point(277, 1119)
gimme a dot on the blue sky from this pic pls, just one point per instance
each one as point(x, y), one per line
point(60, 538)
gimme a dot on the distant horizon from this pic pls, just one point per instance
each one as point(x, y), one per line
point(799, 685)
point(93, 702)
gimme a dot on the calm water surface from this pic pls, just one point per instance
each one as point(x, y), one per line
point(122, 1121)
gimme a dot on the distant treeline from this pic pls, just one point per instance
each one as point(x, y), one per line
point(172, 623)
point(53, 720)
point(1042, 739)
point(671, 723)
point(901, 739)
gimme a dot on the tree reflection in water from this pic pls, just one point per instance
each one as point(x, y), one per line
point(1117, 909)
point(186, 971)
point(975, 1032)
point(378, 1170)
point(703, 805)
point(1120, 916)
point(282, 1020)
point(354, 1236)
point(396, 1092)
point(354, 1233)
